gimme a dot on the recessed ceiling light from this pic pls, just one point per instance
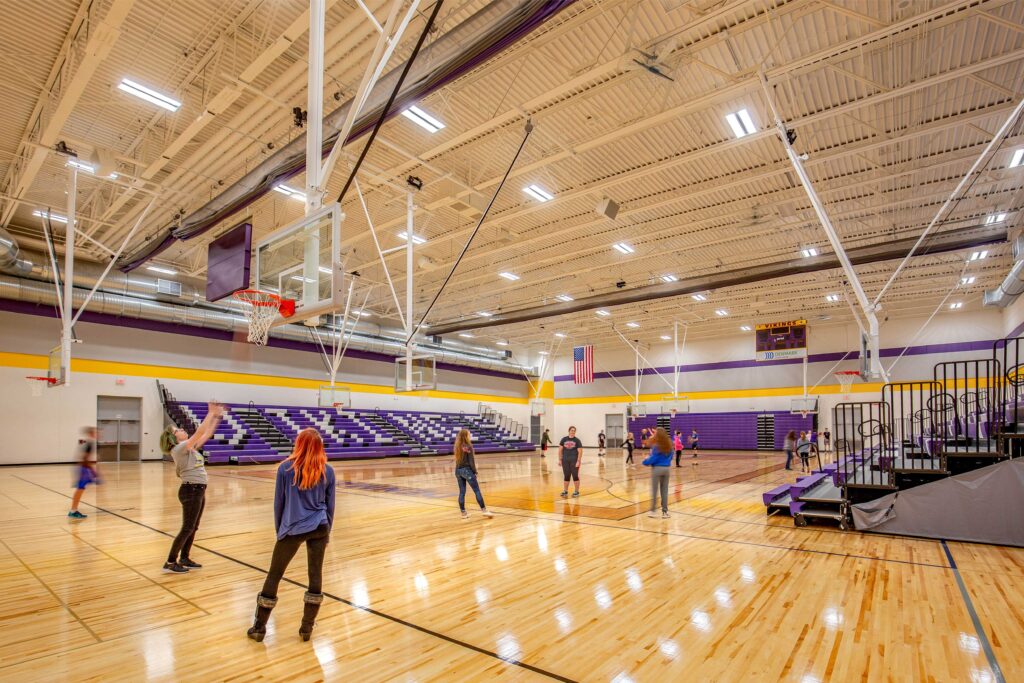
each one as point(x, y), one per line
point(465, 335)
point(745, 328)
point(165, 271)
point(665, 337)
point(484, 314)
point(538, 193)
point(967, 280)
point(509, 276)
point(623, 248)
point(1018, 158)
point(995, 218)
point(832, 297)
point(53, 216)
point(564, 297)
point(422, 119)
point(148, 94)
point(698, 297)
point(956, 304)
point(542, 353)
point(741, 123)
point(809, 252)
point(416, 239)
point(501, 343)
point(633, 325)
point(561, 335)
point(721, 312)
point(978, 255)
point(669, 278)
point(290, 192)
point(603, 313)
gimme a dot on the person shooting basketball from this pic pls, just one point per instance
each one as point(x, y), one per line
point(191, 470)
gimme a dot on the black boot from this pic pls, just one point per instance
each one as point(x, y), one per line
point(310, 608)
point(259, 625)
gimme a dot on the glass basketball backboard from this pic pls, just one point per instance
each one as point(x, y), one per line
point(300, 262)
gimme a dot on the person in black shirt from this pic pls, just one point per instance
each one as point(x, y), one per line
point(628, 444)
point(600, 444)
point(570, 452)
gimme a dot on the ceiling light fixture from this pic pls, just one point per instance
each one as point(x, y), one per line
point(1018, 158)
point(978, 255)
point(832, 297)
point(422, 119)
point(484, 314)
point(745, 328)
point(501, 343)
point(416, 239)
point(165, 271)
point(542, 353)
point(665, 337)
point(809, 252)
point(82, 166)
point(290, 192)
point(465, 335)
point(564, 297)
point(741, 123)
point(956, 304)
point(623, 248)
point(967, 280)
point(669, 278)
point(148, 94)
point(698, 297)
point(53, 216)
point(538, 193)
point(633, 325)
point(603, 313)
point(509, 276)
point(995, 218)
point(561, 335)
point(364, 314)
point(721, 312)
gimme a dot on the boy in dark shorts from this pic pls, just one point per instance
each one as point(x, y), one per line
point(87, 473)
point(570, 452)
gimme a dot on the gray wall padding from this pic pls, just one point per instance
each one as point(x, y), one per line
point(983, 506)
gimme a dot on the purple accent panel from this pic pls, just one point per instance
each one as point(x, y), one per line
point(188, 330)
point(228, 260)
point(717, 431)
point(957, 347)
point(778, 492)
point(787, 421)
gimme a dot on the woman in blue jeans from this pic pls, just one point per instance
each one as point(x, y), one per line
point(465, 472)
point(660, 462)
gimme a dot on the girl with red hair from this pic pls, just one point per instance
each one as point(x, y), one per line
point(303, 514)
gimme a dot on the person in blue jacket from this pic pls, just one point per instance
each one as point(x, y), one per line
point(303, 514)
point(660, 462)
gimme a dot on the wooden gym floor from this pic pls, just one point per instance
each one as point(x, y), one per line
point(576, 590)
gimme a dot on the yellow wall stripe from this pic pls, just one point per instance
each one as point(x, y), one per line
point(104, 367)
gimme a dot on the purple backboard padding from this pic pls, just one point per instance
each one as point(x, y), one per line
point(227, 262)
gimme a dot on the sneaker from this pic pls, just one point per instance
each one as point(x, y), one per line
point(565, 494)
point(486, 513)
point(465, 515)
point(174, 568)
point(75, 514)
point(665, 515)
point(652, 514)
point(189, 564)
point(575, 494)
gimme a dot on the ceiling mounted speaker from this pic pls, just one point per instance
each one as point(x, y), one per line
point(607, 208)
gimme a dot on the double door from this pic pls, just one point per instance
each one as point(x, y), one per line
point(119, 421)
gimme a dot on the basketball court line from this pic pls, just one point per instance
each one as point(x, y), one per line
point(369, 610)
point(986, 646)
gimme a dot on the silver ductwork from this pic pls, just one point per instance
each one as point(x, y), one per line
point(147, 298)
point(1012, 285)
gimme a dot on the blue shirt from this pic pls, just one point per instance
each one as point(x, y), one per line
point(659, 458)
point(299, 511)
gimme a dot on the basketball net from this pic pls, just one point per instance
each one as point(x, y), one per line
point(846, 379)
point(261, 310)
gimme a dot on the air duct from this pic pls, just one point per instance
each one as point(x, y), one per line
point(1012, 285)
point(487, 33)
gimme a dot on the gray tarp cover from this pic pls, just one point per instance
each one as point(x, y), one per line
point(985, 505)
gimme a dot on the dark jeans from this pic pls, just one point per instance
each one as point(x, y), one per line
point(284, 551)
point(679, 454)
point(462, 488)
point(193, 499)
point(629, 455)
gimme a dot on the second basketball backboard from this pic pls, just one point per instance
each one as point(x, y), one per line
point(300, 262)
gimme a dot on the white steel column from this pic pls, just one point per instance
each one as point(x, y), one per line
point(805, 376)
point(314, 144)
point(636, 376)
point(833, 237)
point(69, 274)
point(675, 359)
point(409, 244)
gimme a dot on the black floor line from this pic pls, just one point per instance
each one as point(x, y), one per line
point(674, 534)
point(978, 628)
point(377, 613)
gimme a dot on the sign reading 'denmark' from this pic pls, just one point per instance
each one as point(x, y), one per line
point(780, 341)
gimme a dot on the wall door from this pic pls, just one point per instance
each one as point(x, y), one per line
point(615, 430)
point(119, 420)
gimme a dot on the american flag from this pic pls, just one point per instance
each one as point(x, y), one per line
point(583, 364)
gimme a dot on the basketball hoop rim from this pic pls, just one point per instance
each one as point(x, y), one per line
point(48, 380)
point(252, 297)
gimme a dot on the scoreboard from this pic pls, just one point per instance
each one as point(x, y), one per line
point(778, 341)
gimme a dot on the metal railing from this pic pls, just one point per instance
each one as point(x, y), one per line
point(969, 405)
point(863, 447)
point(916, 423)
